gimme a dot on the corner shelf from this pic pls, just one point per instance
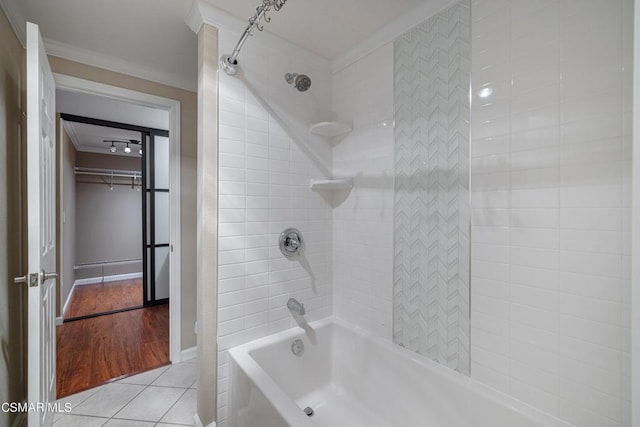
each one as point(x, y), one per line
point(330, 129)
point(331, 184)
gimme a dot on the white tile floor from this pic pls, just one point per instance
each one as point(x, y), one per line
point(162, 397)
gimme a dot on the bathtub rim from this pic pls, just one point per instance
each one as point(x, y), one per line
point(271, 390)
point(292, 414)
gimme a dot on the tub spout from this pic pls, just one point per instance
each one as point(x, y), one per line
point(296, 307)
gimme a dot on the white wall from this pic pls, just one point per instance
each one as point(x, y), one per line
point(108, 222)
point(550, 180)
point(207, 226)
point(267, 158)
point(550, 198)
point(363, 222)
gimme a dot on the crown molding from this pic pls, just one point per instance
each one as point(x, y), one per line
point(16, 19)
point(194, 18)
point(107, 62)
point(204, 13)
point(389, 32)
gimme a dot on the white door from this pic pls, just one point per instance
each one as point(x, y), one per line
point(41, 208)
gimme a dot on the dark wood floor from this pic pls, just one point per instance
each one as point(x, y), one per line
point(93, 351)
point(104, 297)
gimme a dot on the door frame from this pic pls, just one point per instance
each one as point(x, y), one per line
point(173, 106)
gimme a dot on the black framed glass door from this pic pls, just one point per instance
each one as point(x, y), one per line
point(152, 176)
point(156, 217)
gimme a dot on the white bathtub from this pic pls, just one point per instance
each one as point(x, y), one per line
point(350, 379)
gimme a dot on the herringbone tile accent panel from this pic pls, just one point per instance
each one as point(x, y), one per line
point(432, 65)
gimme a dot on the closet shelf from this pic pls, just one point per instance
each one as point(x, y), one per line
point(330, 129)
point(331, 184)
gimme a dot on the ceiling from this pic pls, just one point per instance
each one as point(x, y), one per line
point(151, 39)
point(103, 108)
point(149, 36)
point(90, 138)
point(328, 28)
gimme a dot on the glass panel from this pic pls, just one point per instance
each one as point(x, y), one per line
point(161, 161)
point(147, 158)
point(148, 219)
point(149, 276)
point(162, 273)
point(162, 218)
point(431, 207)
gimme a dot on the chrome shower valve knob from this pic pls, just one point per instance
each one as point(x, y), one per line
point(291, 243)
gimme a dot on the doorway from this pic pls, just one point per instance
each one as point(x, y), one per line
point(133, 284)
point(120, 260)
point(101, 248)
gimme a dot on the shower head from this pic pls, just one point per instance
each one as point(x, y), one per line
point(301, 82)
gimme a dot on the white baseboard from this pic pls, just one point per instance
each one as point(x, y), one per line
point(198, 423)
point(188, 354)
point(114, 278)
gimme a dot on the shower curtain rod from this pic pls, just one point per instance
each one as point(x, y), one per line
point(229, 63)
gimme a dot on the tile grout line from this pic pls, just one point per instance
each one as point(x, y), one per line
point(144, 387)
point(172, 406)
point(130, 400)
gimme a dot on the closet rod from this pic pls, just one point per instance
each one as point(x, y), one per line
point(116, 173)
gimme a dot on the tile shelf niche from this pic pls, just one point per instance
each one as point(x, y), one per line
point(331, 184)
point(331, 129)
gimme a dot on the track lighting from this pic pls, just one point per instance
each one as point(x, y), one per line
point(127, 150)
point(133, 141)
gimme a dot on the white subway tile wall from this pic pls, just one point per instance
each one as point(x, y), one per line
point(267, 158)
point(363, 217)
point(550, 198)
